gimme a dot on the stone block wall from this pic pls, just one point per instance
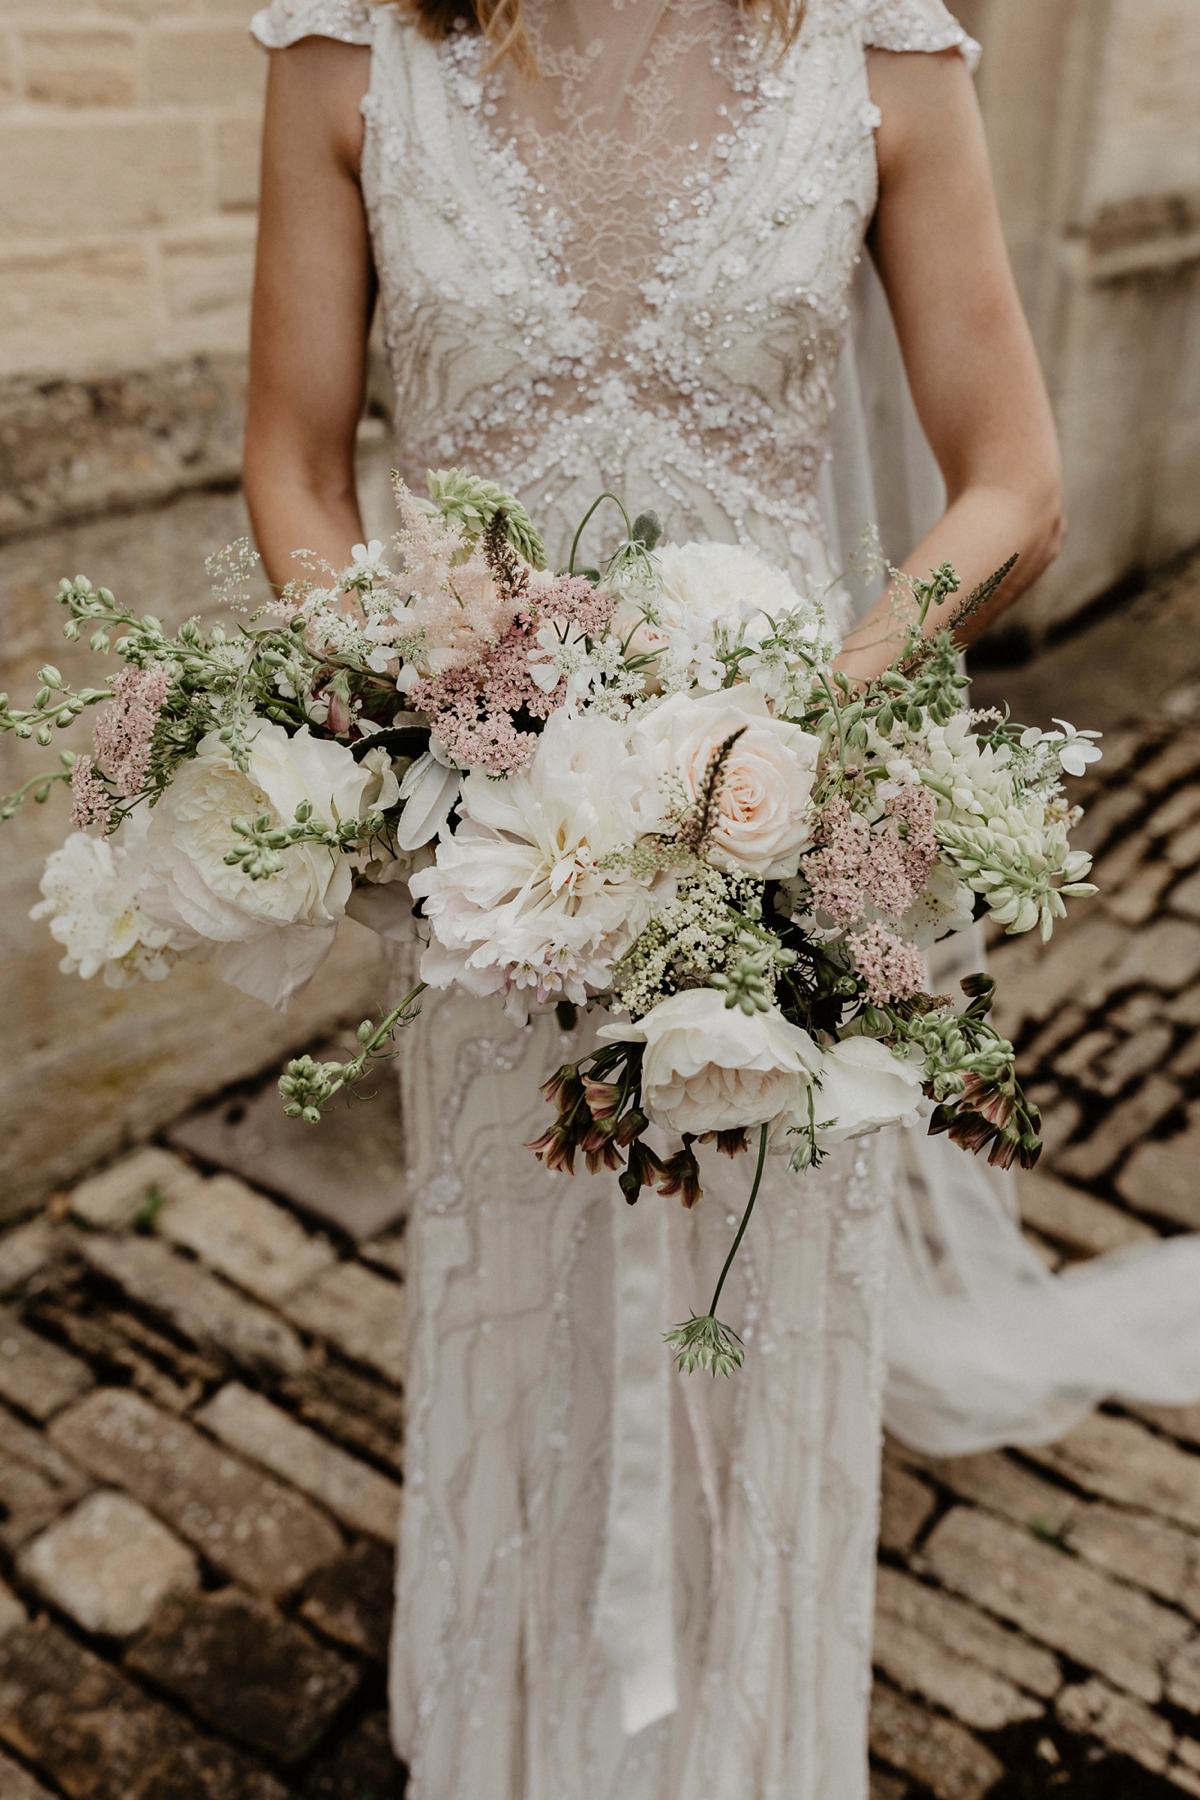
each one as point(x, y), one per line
point(128, 141)
point(1093, 116)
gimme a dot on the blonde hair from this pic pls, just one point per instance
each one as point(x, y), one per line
point(501, 23)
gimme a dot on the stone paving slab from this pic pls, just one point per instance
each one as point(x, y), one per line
point(247, 1671)
point(1057, 1600)
point(351, 1490)
point(84, 1725)
point(349, 1172)
point(37, 1377)
point(259, 1532)
point(207, 1312)
point(109, 1564)
point(17, 1783)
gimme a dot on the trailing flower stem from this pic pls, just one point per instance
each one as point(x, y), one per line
point(704, 1342)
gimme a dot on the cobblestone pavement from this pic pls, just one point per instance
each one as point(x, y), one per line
point(201, 1359)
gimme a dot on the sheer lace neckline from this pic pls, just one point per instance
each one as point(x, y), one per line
point(615, 156)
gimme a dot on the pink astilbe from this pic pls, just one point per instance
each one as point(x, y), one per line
point(91, 801)
point(859, 865)
point(892, 969)
point(124, 730)
point(454, 602)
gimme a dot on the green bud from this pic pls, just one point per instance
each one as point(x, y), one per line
point(44, 735)
point(42, 698)
point(50, 677)
point(65, 717)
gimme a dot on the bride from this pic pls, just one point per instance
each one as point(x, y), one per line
point(614, 243)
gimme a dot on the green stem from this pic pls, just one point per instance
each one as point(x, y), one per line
point(617, 501)
point(387, 1025)
point(741, 1230)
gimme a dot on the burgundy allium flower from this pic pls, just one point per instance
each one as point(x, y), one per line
point(892, 969)
point(124, 729)
point(92, 803)
point(681, 1175)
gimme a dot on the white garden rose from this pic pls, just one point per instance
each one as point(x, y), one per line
point(862, 1087)
point(279, 930)
point(711, 1067)
point(765, 813)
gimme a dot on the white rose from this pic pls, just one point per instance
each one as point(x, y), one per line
point(765, 808)
point(279, 930)
point(861, 1088)
point(710, 1067)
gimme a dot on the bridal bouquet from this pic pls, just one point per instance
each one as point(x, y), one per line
point(643, 788)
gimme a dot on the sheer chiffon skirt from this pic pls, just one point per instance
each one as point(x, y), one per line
point(505, 1677)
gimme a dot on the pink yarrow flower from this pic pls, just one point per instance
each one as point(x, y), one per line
point(892, 969)
point(885, 866)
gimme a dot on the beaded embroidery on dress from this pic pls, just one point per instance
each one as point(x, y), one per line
point(614, 1585)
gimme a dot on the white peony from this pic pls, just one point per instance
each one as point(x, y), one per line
point(861, 1088)
point(720, 582)
point(90, 889)
point(765, 813)
point(710, 1067)
point(517, 900)
point(275, 933)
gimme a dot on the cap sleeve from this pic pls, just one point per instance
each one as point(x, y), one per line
point(285, 22)
point(916, 25)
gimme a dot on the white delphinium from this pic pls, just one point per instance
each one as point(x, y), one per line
point(521, 900)
point(1077, 748)
point(90, 888)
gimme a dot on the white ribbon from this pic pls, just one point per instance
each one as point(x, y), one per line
point(635, 1621)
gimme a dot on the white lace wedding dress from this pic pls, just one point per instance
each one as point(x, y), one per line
point(614, 1583)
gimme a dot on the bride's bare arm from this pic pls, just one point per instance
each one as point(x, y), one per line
point(938, 245)
point(313, 294)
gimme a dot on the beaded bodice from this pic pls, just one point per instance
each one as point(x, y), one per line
point(632, 273)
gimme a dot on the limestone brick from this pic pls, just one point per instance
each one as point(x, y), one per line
point(207, 280)
point(939, 1753)
point(1121, 1460)
point(72, 67)
point(8, 70)
point(89, 295)
point(237, 163)
point(215, 63)
point(78, 177)
point(109, 1564)
point(353, 1492)
point(363, 1314)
